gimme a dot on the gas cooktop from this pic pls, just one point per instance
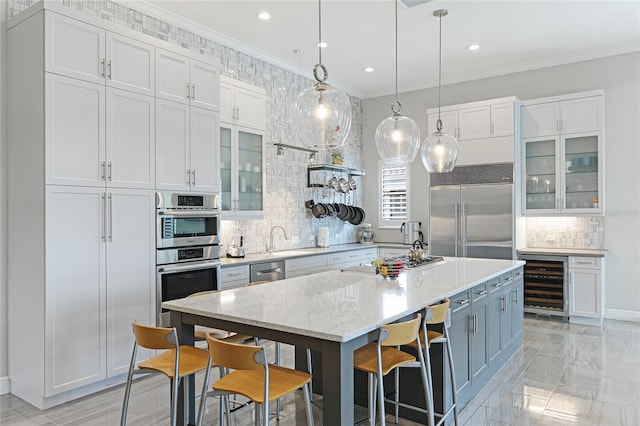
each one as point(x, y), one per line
point(411, 264)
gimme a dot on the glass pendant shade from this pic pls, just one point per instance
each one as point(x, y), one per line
point(397, 139)
point(324, 116)
point(439, 152)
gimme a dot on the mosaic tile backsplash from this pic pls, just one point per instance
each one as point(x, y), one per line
point(566, 232)
point(286, 175)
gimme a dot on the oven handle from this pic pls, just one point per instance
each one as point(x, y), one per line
point(188, 267)
point(190, 213)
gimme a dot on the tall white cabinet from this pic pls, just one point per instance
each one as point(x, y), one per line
point(83, 171)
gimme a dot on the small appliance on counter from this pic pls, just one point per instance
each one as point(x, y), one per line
point(411, 231)
point(366, 234)
point(323, 236)
point(235, 250)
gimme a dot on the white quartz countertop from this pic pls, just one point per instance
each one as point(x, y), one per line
point(565, 251)
point(293, 253)
point(340, 306)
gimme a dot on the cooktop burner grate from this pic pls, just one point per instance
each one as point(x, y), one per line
point(411, 264)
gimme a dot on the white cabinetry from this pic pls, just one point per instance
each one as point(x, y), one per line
point(188, 81)
point(486, 130)
point(234, 276)
point(563, 155)
point(187, 148)
point(87, 52)
point(242, 143)
point(305, 265)
point(586, 290)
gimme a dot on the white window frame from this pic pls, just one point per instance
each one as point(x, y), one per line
point(393, 224)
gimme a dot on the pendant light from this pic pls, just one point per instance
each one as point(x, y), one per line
point(439, 150)
point(324, 112)
point(397, 137)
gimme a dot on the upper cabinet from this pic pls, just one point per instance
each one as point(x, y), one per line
point(486, 130)
point(563, 155)
point(86, 52)
point(242, 104)
point(188, 81)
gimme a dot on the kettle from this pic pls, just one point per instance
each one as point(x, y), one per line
point(235, 250)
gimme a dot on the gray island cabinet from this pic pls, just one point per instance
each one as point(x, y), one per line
point(333, 313)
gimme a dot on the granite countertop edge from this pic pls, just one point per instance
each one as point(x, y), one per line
point(564, 251)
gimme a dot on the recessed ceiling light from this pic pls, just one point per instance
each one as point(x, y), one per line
point(264, 16)
point(473, 47)
point(369, 69)
point(322, 44)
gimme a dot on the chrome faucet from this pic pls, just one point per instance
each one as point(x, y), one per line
point(270, 247)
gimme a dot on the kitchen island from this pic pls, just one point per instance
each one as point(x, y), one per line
point(336, 312)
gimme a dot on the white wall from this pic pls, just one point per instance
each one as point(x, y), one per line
point(4, 383)
point(619, 76)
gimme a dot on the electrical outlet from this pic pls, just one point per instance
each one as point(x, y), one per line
point(295, 240)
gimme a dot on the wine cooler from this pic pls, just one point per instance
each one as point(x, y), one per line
point(545, 285)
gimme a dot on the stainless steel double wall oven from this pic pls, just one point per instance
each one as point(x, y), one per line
point(187, 246)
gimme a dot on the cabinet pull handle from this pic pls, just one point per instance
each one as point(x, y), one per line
point(582, 262)
point(233, 274)
point(509, 279)
point(104, 214)
point(463, 302)
point(188, 91)
point(193, 92)
point(109, 69)
point(109, 174)
point(482, 293)
point(515, 299)
point(504, 304)
point(237, 113)
point(497, 285)
point(475, 323)
point(102, 65)
point(189, 177)
point(491, 128)
point(103, 170)
point(193, 173)
point(110, 217)
point(519, 274)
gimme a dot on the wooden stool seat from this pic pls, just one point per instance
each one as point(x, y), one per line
point(366, 359)
point(192, 360)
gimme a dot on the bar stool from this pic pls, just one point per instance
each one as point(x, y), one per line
point(176, 362)
point(253, 377)
point(438, 317)
point(379, 358)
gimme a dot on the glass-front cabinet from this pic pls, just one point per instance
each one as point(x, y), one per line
point(563, 174)
point(242, 172)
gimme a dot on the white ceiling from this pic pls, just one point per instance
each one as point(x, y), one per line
point(513, 36)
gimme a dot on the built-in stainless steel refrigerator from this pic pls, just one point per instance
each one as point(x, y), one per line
point(472, 212)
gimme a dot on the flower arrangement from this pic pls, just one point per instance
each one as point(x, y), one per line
point(336, 158)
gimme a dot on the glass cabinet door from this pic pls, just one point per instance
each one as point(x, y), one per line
point(540, 174)
point(250, 173)
point(225, 169)
point(581, 172)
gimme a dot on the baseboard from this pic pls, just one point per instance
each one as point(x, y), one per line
point(5, 385)
point(618, 314)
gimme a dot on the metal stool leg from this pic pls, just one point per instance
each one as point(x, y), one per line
point(127, 391)
point(453, 375)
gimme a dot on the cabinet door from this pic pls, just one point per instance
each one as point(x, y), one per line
point(583, 174)
point(541, 179)
point(459, 335)
point(75, 326)
point(505, 317)
point(130, 64)
point(540, 120)
point(172, 77)
point(449, 122)
point(227, 103)
point(228, 169)
point(502, 119)
point(131, 272)
point(250, 171)
point(172, 146)
point(131, 140)
point(74, 131)
point(205, 85)
point(250, 108)
point(582, 115)
point(585, 293)
point(74, 49)
point(479, 340)
point(474, 123)
point(493, 327)
point(517, 308)
point(205, 157)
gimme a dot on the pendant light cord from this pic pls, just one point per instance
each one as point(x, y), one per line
point(439, 70)
point(319, 31)
point(396, 50)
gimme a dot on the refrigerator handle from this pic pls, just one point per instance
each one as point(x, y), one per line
point(463, 231)
point(456, 210)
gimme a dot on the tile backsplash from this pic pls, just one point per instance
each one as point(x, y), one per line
point(566, 232)
point(286, 175)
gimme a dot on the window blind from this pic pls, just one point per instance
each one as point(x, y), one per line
point(394, 193)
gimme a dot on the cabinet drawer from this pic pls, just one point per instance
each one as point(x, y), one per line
point(386, 252)
point(305, 262)
point(460, 303)
point(225, 285)
point(479, 292)
point(368, 255)
point(506, 279)
point(234, 273)
point(494, 285)
point(584, 262)
point(342, 257)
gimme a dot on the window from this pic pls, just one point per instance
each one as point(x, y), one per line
point(394, 185)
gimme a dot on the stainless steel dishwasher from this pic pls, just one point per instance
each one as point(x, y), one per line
point(267, 271)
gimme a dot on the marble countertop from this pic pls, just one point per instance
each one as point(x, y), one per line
point(291, 254)
point(564, 251)
point(339, 306)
